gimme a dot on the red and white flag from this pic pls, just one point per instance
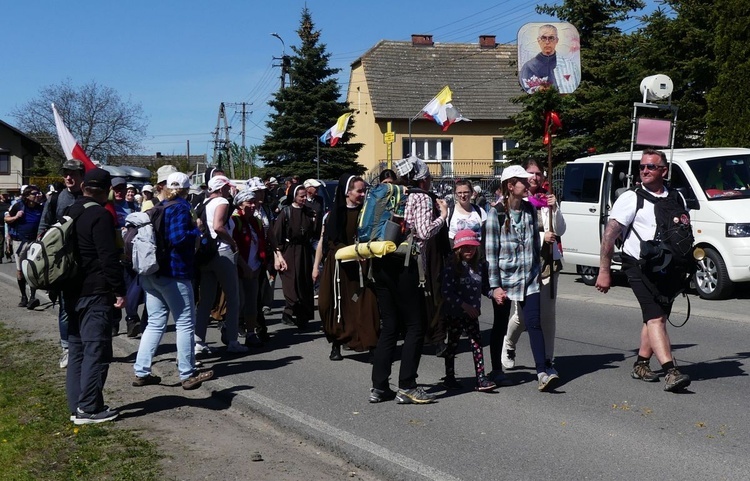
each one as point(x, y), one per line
point(69, 144)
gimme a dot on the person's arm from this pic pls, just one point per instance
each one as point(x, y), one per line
point(180, 229)
point(13, 214)
point(318, 254)
point(103, 233)
point(48, 218)
point(421, 219)
point(612, 231)
point(220, 215)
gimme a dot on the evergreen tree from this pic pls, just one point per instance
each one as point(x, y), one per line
point(304, 110)
point(728, 107)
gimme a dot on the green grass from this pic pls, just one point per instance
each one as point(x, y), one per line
point(37, 439)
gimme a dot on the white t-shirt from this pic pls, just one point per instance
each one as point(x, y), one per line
point(461, 221)
point(644, 221)
point(210, 211)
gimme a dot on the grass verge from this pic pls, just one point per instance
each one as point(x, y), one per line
point(37, 439)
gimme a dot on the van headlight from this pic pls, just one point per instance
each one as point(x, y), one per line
point(738, 230)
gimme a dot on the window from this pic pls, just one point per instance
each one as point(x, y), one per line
point(429, 149)
point(4, 163)
point(500, 148)
point(582, 182)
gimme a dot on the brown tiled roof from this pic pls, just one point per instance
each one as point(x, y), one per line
point(402, 78)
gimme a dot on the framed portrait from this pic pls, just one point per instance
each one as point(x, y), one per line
point(549, 54)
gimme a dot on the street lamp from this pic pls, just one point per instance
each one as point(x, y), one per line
point(283, 46)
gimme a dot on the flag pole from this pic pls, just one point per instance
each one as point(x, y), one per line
point(317, 154)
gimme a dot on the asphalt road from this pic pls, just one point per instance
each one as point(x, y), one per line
point(598, 424)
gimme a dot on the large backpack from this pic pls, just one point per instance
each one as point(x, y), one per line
point(383, 205)
point(208, 247)
point(146, 243)
point(672, 245)
point(52, 259)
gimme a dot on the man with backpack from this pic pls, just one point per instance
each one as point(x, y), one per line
point(89, 297)
point(54, 209)
point(23, 221)
point(636, 223)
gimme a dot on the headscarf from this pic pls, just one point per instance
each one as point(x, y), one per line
point(243, 196)
point(336, 224)
point(413, 167)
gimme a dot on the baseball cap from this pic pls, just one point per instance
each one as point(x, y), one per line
point(97, 177)
point(514, 171)
point(178, 180)
point(311, 183)
point(465, 237)
point(216, 183)
point(148, 188)
point(163, 173)
point(73, 164)
point(118, 181)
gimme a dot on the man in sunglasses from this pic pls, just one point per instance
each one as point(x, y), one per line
point(23, 221)
point(635, 225)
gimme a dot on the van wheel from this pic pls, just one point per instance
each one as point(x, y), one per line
point(711, 279)
point(588, 274)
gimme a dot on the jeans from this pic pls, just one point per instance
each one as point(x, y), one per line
point(165, 295)
point(531, 316)
point(221, 270)
point(516, 325)
point(500, 314)
point(89, 352)
point(249, 300)
point(62, 322)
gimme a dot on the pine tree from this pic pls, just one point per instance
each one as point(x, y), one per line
point(304, 110)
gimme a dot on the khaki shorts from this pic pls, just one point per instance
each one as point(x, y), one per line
point(20, 249)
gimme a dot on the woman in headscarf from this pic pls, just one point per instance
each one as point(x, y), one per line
point(293, 258)
point(348, 308)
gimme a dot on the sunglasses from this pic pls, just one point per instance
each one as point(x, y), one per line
point(650, 167)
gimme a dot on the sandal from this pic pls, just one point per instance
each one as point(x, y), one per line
point(195, 381)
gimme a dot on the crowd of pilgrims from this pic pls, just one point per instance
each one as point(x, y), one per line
point(268, 232)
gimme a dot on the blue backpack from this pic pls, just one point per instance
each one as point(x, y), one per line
point(377, 219)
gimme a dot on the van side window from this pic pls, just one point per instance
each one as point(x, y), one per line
point(582, 183)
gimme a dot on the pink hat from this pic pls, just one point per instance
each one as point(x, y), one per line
point(466, 237)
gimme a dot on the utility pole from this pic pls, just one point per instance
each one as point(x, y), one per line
point(244, 113)
point(286, 61)
point(221, 146)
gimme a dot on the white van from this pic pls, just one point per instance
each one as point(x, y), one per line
point(716, 185)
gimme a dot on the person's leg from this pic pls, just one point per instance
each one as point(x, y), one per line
point(75, 358)
point(17, 250)
point(157, 326)
point(383, 359)
point(178, 294)
point(548, 315)
point(530, 307)
point(453, 332)
point(475, 338)
point(208, 289)
point(411, 309)
point(658, 339)
point(516, 327)
point(226, 274)
point(96, 337)
point(62, 323)
point(500, 315)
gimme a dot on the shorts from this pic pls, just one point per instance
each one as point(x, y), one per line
point(20, 249)
point(646, 293)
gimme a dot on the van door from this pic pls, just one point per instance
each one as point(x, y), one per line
point(584, 207)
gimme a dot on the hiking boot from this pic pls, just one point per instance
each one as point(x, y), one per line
point(195, 381)
point(64, 359)
point(450, 383)
point(642, 370)
point(415, 395)
point(546, 382)
point(675, 380)
point(24, 301)
point(485, 385)
point(336, 353)
point(147, 380)
point(93, 418)
point(33, 304)
point(508, 355)
point(380, 395)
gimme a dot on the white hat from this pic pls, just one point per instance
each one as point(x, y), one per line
point(311, 183)
point(273, 180)
point(131, 186)
point(255, 184)
point(163, 172)
point(148, 188)
point(217, 182)
point(178, 180)
point(514, 171)
point(478, 189)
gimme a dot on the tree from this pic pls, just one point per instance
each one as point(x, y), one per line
point(728, 107)
point(304, 110)
point(100, 120)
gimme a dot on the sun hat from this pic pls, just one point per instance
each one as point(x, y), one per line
point(163, 173)
point(514, 171)
point(465, 237)
point(178, 180)
point(148, 188)
point(311, 183)
point(217, 182)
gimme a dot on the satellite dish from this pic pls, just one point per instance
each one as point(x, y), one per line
point(656, 87)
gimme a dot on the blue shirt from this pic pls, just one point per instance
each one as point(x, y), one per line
point(180, 232)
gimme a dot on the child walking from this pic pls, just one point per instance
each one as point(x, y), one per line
point(462, 299)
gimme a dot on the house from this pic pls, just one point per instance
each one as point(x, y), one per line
point(17, 152)
point(391, 83)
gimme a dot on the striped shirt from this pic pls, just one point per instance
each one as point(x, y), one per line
point(513, 256)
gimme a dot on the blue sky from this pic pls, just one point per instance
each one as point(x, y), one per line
point(181, 59)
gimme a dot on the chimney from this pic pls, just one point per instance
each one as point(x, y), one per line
point(487, 41)
point(419, 40)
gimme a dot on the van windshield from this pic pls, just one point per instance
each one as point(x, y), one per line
point(723, 177)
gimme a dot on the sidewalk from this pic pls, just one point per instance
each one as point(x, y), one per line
point(200, 435)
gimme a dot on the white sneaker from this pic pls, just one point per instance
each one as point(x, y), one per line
point(202, 348)
point(237, 348)
point(546, 382)
point(64, 359)
point(508, 354)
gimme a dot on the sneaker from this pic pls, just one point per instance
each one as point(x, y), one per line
point(201, 348)
point(266, 310)
point(485, 385)
point(33, 304)
point(287, 320)
point(508, 355)
point(380, 395)
point(64, 359)
point(147, 380)
point(195, 381)
point(235, 347)
point(252, 340)
point(133, 328)
point(675, 380)
point(546, 382)
point(441, 350)
point(451, 383)
point(642, 370)
point(500, 379)
point(115, 330)
point(24, 301)
point(94, 418)
point(549, 367)
point(415, 395)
